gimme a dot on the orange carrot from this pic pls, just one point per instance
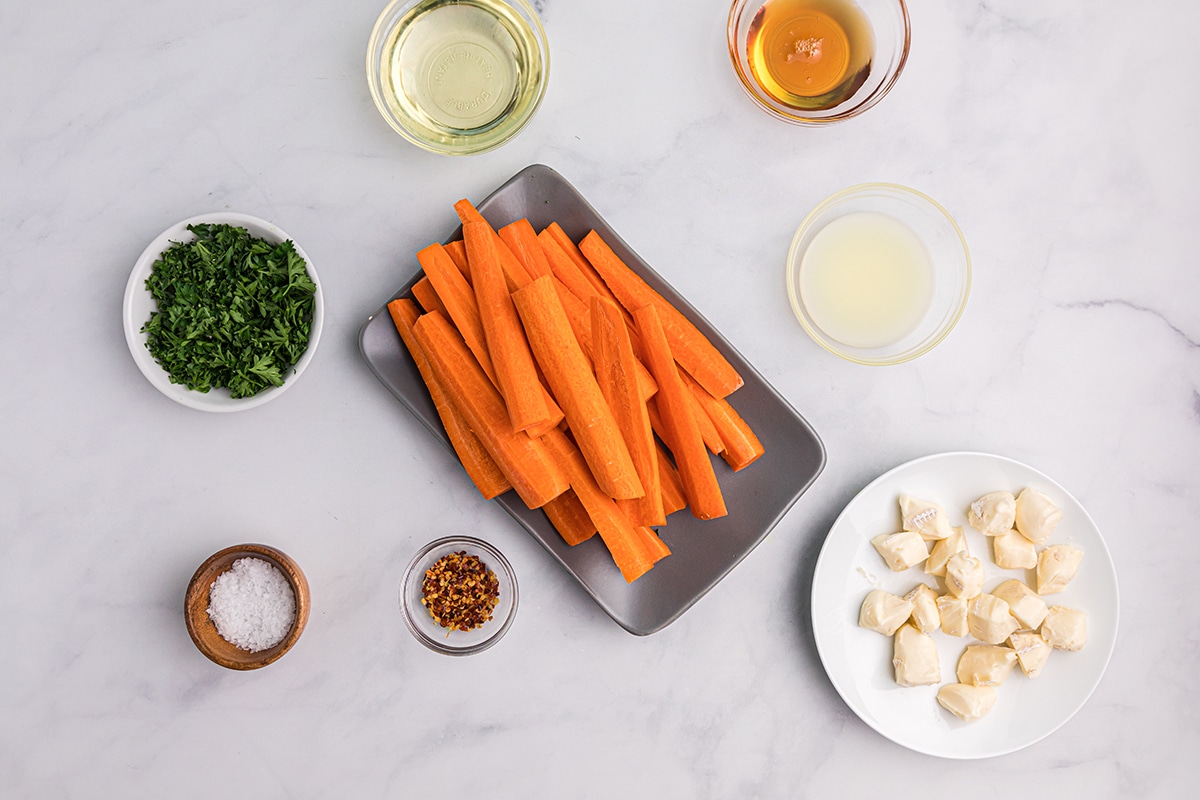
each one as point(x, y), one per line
point(457, 250)
point(741, 446)
point(617, 377)
point(515, 274)
point(427, 296)
point(480, 466)
point(627, 548)
point(532, 470)
point(565, 269)
point(570, 518)
point(694, 352)
point(679, 422)
point(672, 487)
point(524, 244)
point(459, 300)
point(572, 251)
point(506, 342)
point(571, 379)
point(654, 548)
point(708, 431)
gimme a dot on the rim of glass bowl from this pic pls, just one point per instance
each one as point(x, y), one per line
point(461, 145)
point(795, 256)
point(735, 33)
point(498, 564)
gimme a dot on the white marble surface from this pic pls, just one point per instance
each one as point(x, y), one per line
point(1060, 134)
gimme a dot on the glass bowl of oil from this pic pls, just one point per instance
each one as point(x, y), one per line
point(458, 77)
point(878, 274)
point(812, 62)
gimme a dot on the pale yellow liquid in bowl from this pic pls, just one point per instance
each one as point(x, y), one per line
point(866, 280)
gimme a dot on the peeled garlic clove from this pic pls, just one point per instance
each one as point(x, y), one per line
point(1032, 652)
point(1056, 567)
point(925, 611)
point(926, 518)
point(964, 575)
point(993, 514)
point(956, 542)
point(901, 550)
point(985, 665)
point(1023, 603)
point(989, 619)
point(1011, 550)
point(883, 612)
point(1065, 628)
point(915, 658)
point(967, 702)
point(952, 611)
point(1036, 515)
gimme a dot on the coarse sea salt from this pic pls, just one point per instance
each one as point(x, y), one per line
point(252, 604)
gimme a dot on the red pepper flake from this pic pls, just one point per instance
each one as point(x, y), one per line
point(460, 592)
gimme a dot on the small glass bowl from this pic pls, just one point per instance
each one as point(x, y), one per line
point(949, 259)
point(890, 26)
point(453, 642)
point(422, 121)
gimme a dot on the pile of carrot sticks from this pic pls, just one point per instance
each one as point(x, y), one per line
point(560, 374)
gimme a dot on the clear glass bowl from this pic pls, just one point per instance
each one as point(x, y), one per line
point(422, 624)
point(458, 77)
point(890, 26)
point(949, 259)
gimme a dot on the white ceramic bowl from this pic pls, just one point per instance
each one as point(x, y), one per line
point(139, 303)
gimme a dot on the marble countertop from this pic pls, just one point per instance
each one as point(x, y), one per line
point(1060, 135)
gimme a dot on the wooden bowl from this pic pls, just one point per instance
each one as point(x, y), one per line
point(204, 632)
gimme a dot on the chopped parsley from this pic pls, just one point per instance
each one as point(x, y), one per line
point(233, 310)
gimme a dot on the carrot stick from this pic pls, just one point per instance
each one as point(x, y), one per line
point(624, 544)
point(524, 244)
point(708, 429)
point(459, 299)
point(427, 296)
point(690, 348)
point(572, 251)
point(515, 273)
point(457, 250)
point(672, 487)
point(570, 518)
point(566, 369)
point(741, 446)
point(506, 342)
point(708, 432)
point(654, 548)
point(679, 423)
point(565, 269)
point(534, 473)
point(617, 377)
point(480, 466)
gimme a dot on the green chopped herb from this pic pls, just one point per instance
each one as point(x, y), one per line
point(233, 310)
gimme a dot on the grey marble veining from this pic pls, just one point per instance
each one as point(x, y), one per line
point(1060, 135)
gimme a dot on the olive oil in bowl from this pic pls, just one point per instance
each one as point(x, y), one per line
point(458, 76)
point(810, 54)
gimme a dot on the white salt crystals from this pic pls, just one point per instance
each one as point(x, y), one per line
point(252, 605)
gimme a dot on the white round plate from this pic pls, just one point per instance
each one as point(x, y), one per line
point(139, 303)
point(859, 661)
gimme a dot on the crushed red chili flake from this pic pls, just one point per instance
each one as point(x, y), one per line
point(460, 592)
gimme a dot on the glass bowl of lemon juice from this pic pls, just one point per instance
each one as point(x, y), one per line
point(878, 273)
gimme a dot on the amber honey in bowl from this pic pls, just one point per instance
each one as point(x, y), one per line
point(810, 54)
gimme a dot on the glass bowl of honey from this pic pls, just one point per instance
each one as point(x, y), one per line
point(812, 62)
point(458, 77)
point(878, 274)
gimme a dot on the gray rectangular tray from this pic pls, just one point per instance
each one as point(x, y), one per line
point(702, 553)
